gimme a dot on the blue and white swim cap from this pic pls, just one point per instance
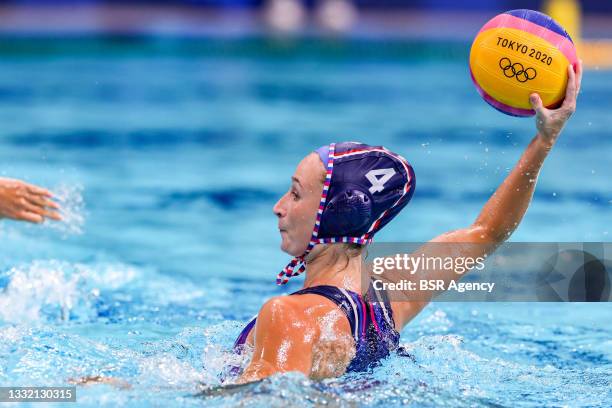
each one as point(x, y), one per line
point(365, 187)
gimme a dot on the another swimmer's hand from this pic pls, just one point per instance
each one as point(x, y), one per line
point(550, 122)
point(26, 202)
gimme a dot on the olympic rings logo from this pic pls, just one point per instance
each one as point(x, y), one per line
point(516, 70)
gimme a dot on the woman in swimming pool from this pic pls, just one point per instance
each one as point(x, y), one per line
point(348, 192)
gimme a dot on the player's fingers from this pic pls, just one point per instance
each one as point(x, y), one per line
point(30, 217)
point(26, 205)
point(54, 215)
point(578, 76)
point(38, 190)
point(42, 201)
point(570, 92)
point(52, 204)
point(536, 103)
point(40, 210)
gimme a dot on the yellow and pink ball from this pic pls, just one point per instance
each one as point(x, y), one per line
point(518, 53)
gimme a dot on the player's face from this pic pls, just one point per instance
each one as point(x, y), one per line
point(297, 209)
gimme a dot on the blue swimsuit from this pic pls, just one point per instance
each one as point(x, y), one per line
point(370, 318)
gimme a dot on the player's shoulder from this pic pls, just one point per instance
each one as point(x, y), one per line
point(296, 308)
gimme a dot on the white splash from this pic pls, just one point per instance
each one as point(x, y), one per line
point(34, 287)
point(60, 288)
point(70, 198)
point(166, 370)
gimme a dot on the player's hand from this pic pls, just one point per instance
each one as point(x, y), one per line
point(25, 202)
point(550, 122)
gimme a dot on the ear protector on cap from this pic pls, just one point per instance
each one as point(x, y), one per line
point(347, 213)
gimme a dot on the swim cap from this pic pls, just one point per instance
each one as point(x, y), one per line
point(365, 187)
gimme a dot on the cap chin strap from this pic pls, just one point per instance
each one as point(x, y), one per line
point(297, 264)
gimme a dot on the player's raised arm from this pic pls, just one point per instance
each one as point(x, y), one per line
point(501, 214)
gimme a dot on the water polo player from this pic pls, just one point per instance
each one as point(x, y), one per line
point(348, 192)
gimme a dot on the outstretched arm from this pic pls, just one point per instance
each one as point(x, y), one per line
point(26, 202)
point(504, 211)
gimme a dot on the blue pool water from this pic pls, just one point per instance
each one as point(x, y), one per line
point(168, 164)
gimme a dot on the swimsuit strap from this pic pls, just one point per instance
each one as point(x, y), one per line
point(243, 335)
point(379, 300)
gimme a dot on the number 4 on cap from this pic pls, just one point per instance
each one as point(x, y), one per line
point(378, 178)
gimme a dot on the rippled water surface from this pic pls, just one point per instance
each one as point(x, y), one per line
point(168, 165)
